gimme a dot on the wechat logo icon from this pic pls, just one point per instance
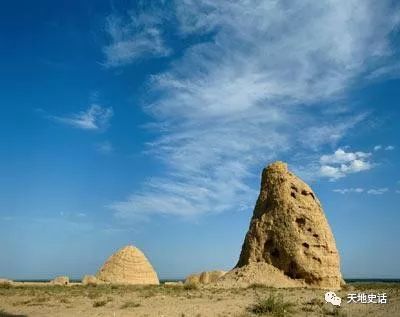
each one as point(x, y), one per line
point(330, 297)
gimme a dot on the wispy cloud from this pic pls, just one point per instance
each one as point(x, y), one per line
point(94, 118)
point(134, 36)
point(372, 191)
point(349, 190)
point(105, 147)
point(377, 191)
point(382, 147)
point(386, 71)
point(255, 90)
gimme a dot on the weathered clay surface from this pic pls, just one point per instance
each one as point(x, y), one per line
point(173, 284)
point(289, 231)
point(60, 280)
point(128, 266)
point(5, 282)
point(204, 277)
point(90, 280)
point(258, 273)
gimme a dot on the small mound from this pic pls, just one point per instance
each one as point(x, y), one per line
point(60, 280)
point(204, 277)
point(257, 273)
point(89, 280)
point(5, 282)
point(128, 266)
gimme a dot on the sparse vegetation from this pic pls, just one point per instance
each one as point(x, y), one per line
point(316, 302)
point(64, 300)
point(93, 295)
point(100, 303)
point(312, 305)
point(255, 300)
point(5, 285)
point(130, 304)
point(190, 286)
point(5, 314)
point(335, 311)
point(42, 299)
point(258, 286)
point(273, 305)
point(36, 301)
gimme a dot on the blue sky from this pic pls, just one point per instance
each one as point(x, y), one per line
point(148, 123)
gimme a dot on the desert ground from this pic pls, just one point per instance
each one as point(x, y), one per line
point(34, 300)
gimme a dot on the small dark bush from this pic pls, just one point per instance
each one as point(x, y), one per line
point(273, 305)
point(130, 304)
point(257, 286)
point(100, 303)
point(190, 286)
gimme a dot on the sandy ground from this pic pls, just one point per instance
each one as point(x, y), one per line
point(36, 300)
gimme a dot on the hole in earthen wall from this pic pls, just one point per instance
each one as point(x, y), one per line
point(306, 193)
point(301, 221)
point(268, 244)
point(275, 253)
point(293, 271)
point(312, 280)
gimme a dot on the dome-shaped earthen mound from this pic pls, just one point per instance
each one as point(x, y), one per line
point(128, 266)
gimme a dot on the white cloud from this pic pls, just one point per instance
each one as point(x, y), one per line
point(105, 147)
point(373, 191)
point(341, 156)
point(135, 37)
point(317, 135)
point(387, 71)
point(348, 190)
point(254, 90)
point(378, 191)
point(386, 148)
point(341, 163)
point(189, 197)
point(94, 118)
point(397, 191)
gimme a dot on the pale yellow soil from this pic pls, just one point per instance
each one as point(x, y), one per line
point(36, 300)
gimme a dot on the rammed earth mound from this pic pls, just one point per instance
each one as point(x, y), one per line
point(289, 242)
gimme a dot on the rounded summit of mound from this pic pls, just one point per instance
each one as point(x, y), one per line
point(128, 265)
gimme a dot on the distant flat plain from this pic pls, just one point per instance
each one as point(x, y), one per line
point(34, 299)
